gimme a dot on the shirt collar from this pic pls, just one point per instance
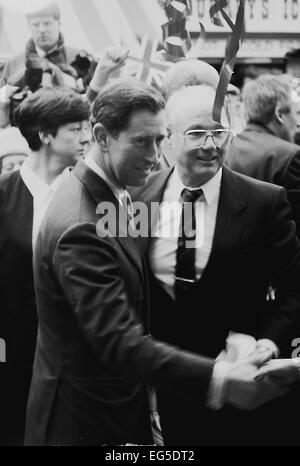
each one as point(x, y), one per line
point(117, 191)
point(210, 189)
point(36, 186)
point(41, 53)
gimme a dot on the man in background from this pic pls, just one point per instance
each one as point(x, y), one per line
point(265, 149)
point(46, 52)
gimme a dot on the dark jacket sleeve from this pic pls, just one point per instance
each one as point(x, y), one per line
point(284, 260)
point(291, 181)
point(88, 270)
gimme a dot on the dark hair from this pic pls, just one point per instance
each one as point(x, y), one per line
point(48, 109)
point(115, 103)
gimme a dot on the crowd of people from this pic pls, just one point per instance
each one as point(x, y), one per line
point(149, 255)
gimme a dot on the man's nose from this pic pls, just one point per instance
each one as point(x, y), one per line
point(42, 27)
point(208, 142)
point(153, 153)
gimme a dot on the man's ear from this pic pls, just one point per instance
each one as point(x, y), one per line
point(169, 134)
point(278, 115)
point(100, 135)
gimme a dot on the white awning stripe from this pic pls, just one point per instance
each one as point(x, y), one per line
point(90, 24)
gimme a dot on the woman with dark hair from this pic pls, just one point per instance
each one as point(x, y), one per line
point(51, 121)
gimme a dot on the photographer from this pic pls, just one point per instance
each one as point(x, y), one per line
point(47, 58)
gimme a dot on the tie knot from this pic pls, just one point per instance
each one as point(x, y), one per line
point(127, 203)
point(191, 196)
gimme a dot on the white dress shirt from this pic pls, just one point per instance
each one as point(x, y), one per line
point(163, 247)
point(163, 251)
point(42, 194)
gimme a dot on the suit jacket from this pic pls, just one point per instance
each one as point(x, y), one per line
point(18, 322)
point(254, 244)
point(93, 354)
point(166, 159)
point(258, 153)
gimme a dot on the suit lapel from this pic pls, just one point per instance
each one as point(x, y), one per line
point(101, 193)
point(229, 222)
point(152, 196)
point(155, 187)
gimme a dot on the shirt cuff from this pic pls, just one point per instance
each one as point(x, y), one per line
point(216, 389)
point(269, 345)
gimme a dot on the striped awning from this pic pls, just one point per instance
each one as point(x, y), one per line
point(90, 24)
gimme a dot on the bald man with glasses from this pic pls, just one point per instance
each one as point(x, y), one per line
point(229, 239)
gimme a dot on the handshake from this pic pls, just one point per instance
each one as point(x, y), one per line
point(246, 377)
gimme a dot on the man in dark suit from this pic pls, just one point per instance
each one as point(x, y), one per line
point(265, 149)
point(213, 278)
point(50, 120)
point(94, 353)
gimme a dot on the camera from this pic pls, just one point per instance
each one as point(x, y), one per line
point(82, 63)
point(84, 66)
point(35, 67)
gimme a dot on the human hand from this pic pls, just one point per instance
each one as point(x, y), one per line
point(52, 75)
point(111, 59)
point(239, 346)
point(6, 92)
point(267, 347)
point(276, 369)
point(244, 391)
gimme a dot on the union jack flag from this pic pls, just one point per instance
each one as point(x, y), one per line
point(146, 64)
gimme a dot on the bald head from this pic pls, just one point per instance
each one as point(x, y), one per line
point(188, 102)
point(189, 73)
point(198, 143)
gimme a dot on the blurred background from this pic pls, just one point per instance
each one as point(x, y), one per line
point(271, 44)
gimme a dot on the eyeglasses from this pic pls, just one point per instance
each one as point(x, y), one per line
point(195, 139)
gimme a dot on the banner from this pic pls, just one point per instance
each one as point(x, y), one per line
point(261, 16)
